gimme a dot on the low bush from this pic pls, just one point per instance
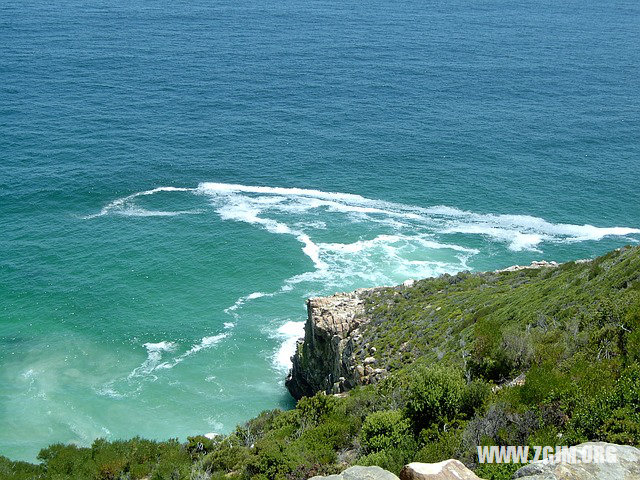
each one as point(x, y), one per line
point(384, 430)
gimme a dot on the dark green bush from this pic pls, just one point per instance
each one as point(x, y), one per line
point(435, 396)
point(392, 459)
point(199, 445)
point(383, 430)
point(474, 398)
point(313, 409)
point(19, 470)
point(444, 446)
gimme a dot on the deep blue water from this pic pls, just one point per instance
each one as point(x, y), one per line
point(476, 135)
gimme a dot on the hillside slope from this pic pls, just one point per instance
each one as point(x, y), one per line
point(447, 351)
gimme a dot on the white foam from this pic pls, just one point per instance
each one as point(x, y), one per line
point(206, 342)
point(132, 211)
point(289, 332)
point(312, 251)
point(396, 242)
point(121, 205)
point(256, 205)
point(108, 391)
point(242, 300)
point(215, 424)
point(519, 232)
point(213, 188)
point(155, 352)
point(380, 240)
point(246, 203)
point(245, 209)
point(159, 347)
point(154, 358)
point(525, 232)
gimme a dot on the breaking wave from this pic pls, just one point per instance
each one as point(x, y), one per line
point(352, 241)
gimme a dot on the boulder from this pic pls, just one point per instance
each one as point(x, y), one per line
point(625, 467)
point(447, 470)
point(360, 473)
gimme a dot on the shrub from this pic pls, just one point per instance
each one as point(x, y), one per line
point(497, 471)
point(383, 430)
point(67, 461)
point(323, 441)
point(199, 445)
point(271, 460)
point(474, 398)
point(391, 459)
point(313, 409)
point(542, 383)
point(226, 457)
point(435, 396)
point(446, 445)
point(19, 470)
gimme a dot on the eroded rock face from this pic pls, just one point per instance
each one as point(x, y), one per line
point(447, 470)
point(325, 360)
point(626, 466)
point(360, 473)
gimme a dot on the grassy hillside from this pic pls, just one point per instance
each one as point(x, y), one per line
point(451, 345)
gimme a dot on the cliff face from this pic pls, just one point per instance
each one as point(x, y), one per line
point(333, 357)
point(336, 355)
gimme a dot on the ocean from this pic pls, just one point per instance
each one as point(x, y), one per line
point(176, 178)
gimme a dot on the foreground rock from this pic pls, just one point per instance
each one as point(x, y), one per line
point(326, 360)
point(626, 466)
point(447, 470)
point(360, 473)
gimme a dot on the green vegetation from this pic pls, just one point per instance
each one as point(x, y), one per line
point(451, 345)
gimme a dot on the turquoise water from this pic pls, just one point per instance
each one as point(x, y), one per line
point(166, 171)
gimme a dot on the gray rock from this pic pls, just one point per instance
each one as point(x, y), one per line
point(331, 340)
point(534, 264)
point(360, 473)
point(446, 470)
point(626, 466)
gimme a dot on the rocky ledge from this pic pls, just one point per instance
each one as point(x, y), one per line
point(332, 356)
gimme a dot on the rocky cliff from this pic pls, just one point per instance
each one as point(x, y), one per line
point(333, 356)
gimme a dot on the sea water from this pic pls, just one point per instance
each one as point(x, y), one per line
point(176, 178)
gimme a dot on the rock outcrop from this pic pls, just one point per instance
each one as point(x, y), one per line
point(360, 473)
point(625, 467)
point(446, 470)
point(327, 358)
point(534, 265)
